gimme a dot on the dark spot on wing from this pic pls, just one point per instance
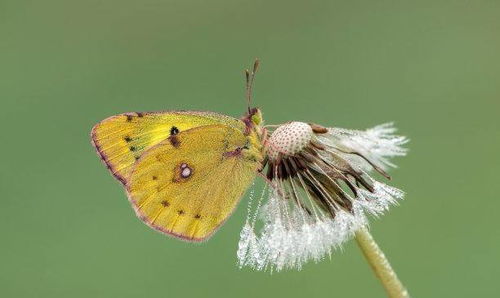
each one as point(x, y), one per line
point(174, 130)
point(127, 139)
point(132, 148)
point(140, 115)
point(174, 141)
point(129, 118)
point(180, 212)
point(197, 216)
point(155, 178)
point(165, 203)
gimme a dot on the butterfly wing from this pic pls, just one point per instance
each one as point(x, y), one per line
point(121, 140)
point(188, 184)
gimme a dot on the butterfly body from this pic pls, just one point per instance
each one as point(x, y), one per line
point(184, 171)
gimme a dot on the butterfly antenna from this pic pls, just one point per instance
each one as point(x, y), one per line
point(250, 77)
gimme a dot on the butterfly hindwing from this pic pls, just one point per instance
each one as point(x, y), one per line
point(188, 184)
point(122, 139)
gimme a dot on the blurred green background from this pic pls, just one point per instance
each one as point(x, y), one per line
point(433, 67)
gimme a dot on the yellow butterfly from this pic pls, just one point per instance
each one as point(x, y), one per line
point(184, 171)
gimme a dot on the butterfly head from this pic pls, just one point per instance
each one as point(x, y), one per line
point(255, 116)
point(253, 120)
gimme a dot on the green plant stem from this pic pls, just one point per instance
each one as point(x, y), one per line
point(380, 265)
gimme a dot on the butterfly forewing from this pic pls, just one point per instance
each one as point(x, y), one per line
point(121, 140)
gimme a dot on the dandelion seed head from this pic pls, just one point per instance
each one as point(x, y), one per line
point(321, 192)
point(289, 139)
